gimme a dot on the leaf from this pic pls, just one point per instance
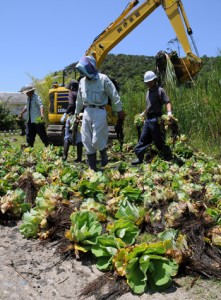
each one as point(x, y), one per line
point(105, 248)
point(125, 230)
point(161, 272)
point(136, 279)
point(119, 261)
point(130, 211)
point(85, 227)
point(132, 194)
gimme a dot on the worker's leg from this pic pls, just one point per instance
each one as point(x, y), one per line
point(86, 135)
point(99, 129)
point(100, 135)
point(65, 150)
point(144, 141)
point(30, 134)
point(159, 141)
point(92, 160)
point(86, 131)
point(79, 146)
point(79, 152)
point(67, 141)
point(40, 130)
point(104, 157)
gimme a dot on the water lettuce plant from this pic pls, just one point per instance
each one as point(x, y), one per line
point(84, 230)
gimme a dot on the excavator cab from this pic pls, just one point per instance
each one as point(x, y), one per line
point(58, 104)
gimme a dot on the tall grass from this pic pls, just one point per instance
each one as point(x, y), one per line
point(133, 103)
point(198, 111)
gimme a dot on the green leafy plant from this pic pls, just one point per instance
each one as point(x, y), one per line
point(84, 230)
point(130, 211)
point(124, 229)
point(105, 248)
point(145, 265)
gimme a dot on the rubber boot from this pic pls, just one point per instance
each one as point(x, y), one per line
point(65, 151)
point(92, 160)
point(166, 153)
point(104, 157)
point(79, 152)
point(139, 160)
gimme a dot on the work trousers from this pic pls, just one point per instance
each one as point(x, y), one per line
point(94, 130)
point(151, 132)
point(32, 129)
point(68, 135)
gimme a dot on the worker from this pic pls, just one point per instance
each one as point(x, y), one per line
point(156, 97)
point(72, 124)
point(94, 90)
point(34, 118)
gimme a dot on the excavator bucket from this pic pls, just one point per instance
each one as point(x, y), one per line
point(185, 68)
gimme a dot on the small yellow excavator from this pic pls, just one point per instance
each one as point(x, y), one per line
point(185, 68)
point(58, 104)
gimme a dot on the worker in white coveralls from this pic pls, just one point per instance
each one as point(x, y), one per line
point(93, 92)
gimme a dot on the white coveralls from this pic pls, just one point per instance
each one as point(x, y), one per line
point(93, 96)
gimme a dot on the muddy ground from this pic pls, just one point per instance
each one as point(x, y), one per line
point(31, 270)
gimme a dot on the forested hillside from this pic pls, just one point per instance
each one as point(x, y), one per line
point(124, 68)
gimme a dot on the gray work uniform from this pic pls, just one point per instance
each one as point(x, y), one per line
point(93, 96)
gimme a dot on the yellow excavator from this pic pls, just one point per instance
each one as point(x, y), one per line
point(185, 68)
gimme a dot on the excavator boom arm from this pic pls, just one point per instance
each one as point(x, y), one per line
point(120, 28)
point(131, 17)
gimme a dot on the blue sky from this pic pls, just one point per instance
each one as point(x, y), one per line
point(39, 37)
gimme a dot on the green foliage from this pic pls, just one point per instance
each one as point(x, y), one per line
point(125, 230)
point(130, 211)
point(198, 108)
point(147, 266)
point(105, 248)
point(30, 223)
point(69, 175)
point(7, 120)
point(147, 199)
point(85, 227)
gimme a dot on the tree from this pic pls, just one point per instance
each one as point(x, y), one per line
point(7, 120)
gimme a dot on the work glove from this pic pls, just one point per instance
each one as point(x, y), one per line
point(143, 114)
point(169, 113)
point(63, 118)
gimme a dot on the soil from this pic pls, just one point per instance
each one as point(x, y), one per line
point(36, 271)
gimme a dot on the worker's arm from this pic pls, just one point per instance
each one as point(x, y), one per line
point(169, 109)
point(42, 111)
point(79, 102)
point(113, 95)
point(23, 111)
